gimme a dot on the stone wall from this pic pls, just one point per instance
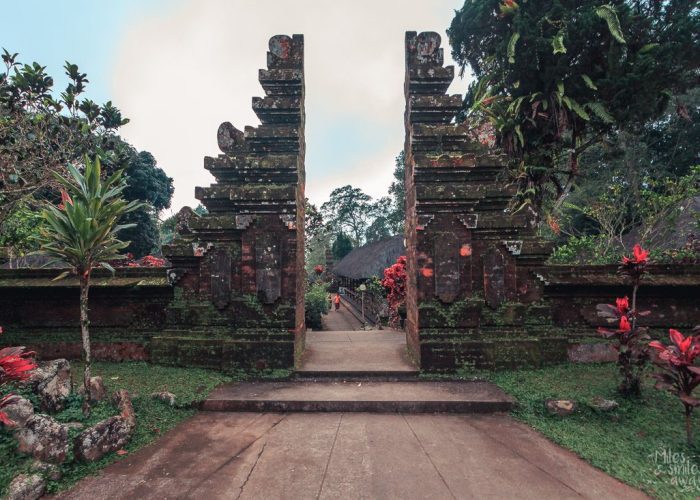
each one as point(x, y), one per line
point(126, 311)
point(469, 258)
point(238, 271)
point(571, 294)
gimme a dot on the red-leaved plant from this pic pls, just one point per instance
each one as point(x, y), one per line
point(15, 365)
point(318, 269)
point(632, 352)
point(147, 261)
point(394, 281)
point(679, 375)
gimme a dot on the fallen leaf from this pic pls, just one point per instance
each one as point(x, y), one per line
point(122, 452)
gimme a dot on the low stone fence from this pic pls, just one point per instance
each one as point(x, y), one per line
point(670, 292)
point(126, 311)
point(129, 309)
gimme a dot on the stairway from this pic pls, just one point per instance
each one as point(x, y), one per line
point(359, 371)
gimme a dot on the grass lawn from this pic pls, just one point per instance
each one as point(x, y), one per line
point(624, 443)
point(153, 416)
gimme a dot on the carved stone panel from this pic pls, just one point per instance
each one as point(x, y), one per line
point(494, 277)
point(221, 278)
point(268, 268)
point(447, 267)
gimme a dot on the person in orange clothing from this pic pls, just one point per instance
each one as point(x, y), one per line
point(336, 301)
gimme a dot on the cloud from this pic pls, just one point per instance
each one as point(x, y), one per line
point(180, 72)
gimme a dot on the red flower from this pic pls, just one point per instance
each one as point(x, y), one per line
point(639, 256)
point(623, 305)
point(625, 325)
point(318, 269)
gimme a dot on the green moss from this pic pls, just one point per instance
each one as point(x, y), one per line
point(437, 314)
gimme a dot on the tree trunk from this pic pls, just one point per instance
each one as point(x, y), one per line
point(85, 334)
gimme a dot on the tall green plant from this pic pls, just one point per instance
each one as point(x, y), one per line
point(82, 232)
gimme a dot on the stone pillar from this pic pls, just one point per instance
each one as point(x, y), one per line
point(470, 259)
point(238, 270)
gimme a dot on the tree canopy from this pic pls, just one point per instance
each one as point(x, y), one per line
point(42, 134)
point(553, 77)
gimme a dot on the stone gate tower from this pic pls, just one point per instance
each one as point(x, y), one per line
point(473, 295)
point(238, 271)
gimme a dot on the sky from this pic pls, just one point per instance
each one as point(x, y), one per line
point(178, 68)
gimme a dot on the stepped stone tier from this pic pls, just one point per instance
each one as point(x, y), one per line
point(237, 271)
point(472, 289)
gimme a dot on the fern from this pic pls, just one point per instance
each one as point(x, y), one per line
point(609, 15)
point(519, 133)
point(511, 47)
point(589, 82)
point(600, 111)
point(648, 48)
point(576, 108)
point(558, 43)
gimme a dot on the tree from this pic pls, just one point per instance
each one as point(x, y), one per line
point(317, 237)
point(313, 220)
point(82, 232)
point(397, 191)
point(554, 78)
point(341, 246)
point(40, 134)
point(381, 227)
point(147, 183)
point(635, 187)
point(349, 210)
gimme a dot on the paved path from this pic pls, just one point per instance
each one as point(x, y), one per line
point(356, 351)
point(351, 455)
point(341, 320)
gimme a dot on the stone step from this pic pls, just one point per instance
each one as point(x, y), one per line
point(357, 375)
point(367, 396)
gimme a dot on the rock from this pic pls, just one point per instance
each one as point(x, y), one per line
point(43, 438)
point(591, 353)
point(74, 425)
point(97, 389)
point(108, 435)
point(19, 410)
point(560, 407)
point(122, 401)
point(49, 471)
point(51, 382)
point(605, 405)
point(26, 487)
point(102, 438)
point(166, 397)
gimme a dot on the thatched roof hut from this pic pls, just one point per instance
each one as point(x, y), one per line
point(371, 259)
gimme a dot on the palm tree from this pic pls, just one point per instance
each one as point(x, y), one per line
point(82, 232)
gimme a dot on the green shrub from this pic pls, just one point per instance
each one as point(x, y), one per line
point(587, 249)
point(317, 304)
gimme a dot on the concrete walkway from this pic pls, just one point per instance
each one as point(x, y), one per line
point(350, 455)
point(346, 352)
point(340, 320)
